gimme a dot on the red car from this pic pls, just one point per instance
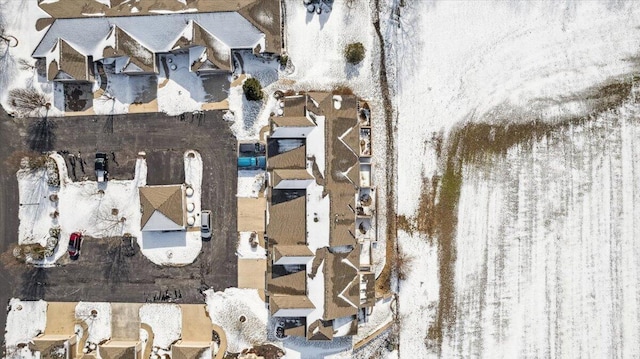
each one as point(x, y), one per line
point(74, 245)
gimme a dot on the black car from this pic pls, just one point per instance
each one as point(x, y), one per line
point(102, 167)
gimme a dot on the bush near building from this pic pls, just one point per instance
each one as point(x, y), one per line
point(252, 89)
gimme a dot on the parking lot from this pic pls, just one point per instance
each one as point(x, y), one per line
point(106, 271)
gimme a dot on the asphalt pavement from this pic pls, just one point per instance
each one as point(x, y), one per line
point(106, 269)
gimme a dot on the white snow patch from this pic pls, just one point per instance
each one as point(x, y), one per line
point(244, 249)
point(25, 320)
point(99, 325)
point(166, 322)
point(250, 183)
point(226, 308)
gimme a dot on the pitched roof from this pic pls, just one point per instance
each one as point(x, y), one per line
point(73, 62)
point(342, 285)
point(342, 169)
point(320, 330)
point(288, 284)
point(280, 175)
point(162, 201)
point(292, 121)
point(277, 302)
point(296, 158)
point(294, 106)
point(188, 350)
point(156, 33)
point(217, 52)
point(370, 288)
point(291, 251)
point(352, 138)
point(126, 45)
point(47, 343)
point(265, 15)
point(117, 350)
point(287, 222)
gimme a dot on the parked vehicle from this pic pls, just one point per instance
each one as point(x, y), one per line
point(102, 167)
point(205, 226)
point(252, 162)
point(74, 245)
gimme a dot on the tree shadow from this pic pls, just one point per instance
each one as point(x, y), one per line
point(41, 135)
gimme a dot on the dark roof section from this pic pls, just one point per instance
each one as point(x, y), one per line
point(73, 62)
point(287, 222)
point(320, 330)
point(265, 15)
point(279, 283)
point(293, 159)
point(369, 279)
point(294, 106)
point(168, 200)
point(341, 160)
point(213, 47)
point(140, 56)
point(342, 285)
point(289, 302)
point(291, 251)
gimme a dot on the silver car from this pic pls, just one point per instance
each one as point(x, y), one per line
point(205, 226)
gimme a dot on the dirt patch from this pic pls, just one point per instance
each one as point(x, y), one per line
point(383, 282)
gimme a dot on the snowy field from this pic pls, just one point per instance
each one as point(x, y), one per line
point(544, 257)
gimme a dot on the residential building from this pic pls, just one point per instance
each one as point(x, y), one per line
point(320, 215)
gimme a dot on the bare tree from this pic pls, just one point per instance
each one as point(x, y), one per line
point(26, 65)
point(29, 102)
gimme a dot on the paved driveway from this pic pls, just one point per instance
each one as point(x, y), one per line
point(104, 272)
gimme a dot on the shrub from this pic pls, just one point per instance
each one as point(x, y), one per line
point(283, 60)
point(354, 53)
point(252, 89)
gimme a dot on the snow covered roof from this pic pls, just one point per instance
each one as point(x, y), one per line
point(46, 344)
point(157, 33)
point(163, 207)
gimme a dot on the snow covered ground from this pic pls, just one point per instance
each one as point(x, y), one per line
point(166, 322)
point(250, 183)
point(25, 320)
point(226, 310)
point(246, 251)
point(545, 262)
point(97, 316)
point(23, 28)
